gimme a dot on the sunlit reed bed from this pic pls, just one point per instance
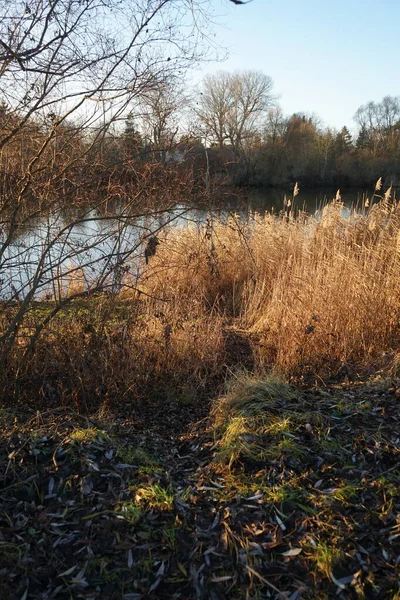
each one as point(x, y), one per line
point(314, 292)
point(313, 299)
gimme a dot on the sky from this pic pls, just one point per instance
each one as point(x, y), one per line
point(326, 57)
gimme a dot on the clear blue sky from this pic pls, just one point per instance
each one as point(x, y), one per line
point(326, 57)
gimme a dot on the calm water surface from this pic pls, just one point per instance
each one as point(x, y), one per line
point(48, 253)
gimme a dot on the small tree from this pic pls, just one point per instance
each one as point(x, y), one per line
point(343, 141)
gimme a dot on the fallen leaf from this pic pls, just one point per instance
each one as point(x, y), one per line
point(292, 552)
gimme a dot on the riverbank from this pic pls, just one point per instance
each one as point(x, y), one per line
point(225, 426)
point(316, 300)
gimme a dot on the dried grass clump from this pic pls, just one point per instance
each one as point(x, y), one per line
point(117, 352)
point(254, 420)
point(319, 293)
point(335, 300)
point(250, 395)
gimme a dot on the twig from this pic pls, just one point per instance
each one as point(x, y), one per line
point(268, 583)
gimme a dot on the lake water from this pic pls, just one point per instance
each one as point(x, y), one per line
point(310, 201)
point(51, 254)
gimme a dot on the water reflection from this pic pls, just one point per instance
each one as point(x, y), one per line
point(47, 255)
point(52, 253)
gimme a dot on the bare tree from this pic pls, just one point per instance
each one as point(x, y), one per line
point(378, 122)
point(85, 61)
point(160, 113)
point(232, 105)
point(275, 126)
point(213, 107)
point(69, 71)
point(76, 51)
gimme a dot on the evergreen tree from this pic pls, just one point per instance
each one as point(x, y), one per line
point(363, 139)
point(133, 142)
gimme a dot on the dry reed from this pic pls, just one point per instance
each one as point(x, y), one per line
point(310, 297)
point(318, 293)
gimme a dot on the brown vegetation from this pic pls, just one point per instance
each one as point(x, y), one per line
point(313, 293)
point(314, 298)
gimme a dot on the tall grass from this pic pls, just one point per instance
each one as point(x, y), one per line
point(313, 297)
point(316, 293)
point(112, 351)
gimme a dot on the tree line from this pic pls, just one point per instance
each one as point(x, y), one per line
point(235, 120)
point(95, 104)
point(231, 130)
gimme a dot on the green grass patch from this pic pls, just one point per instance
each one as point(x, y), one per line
point(257, 421)
point(155, 496)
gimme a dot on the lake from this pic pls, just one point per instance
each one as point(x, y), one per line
point(52, 254)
